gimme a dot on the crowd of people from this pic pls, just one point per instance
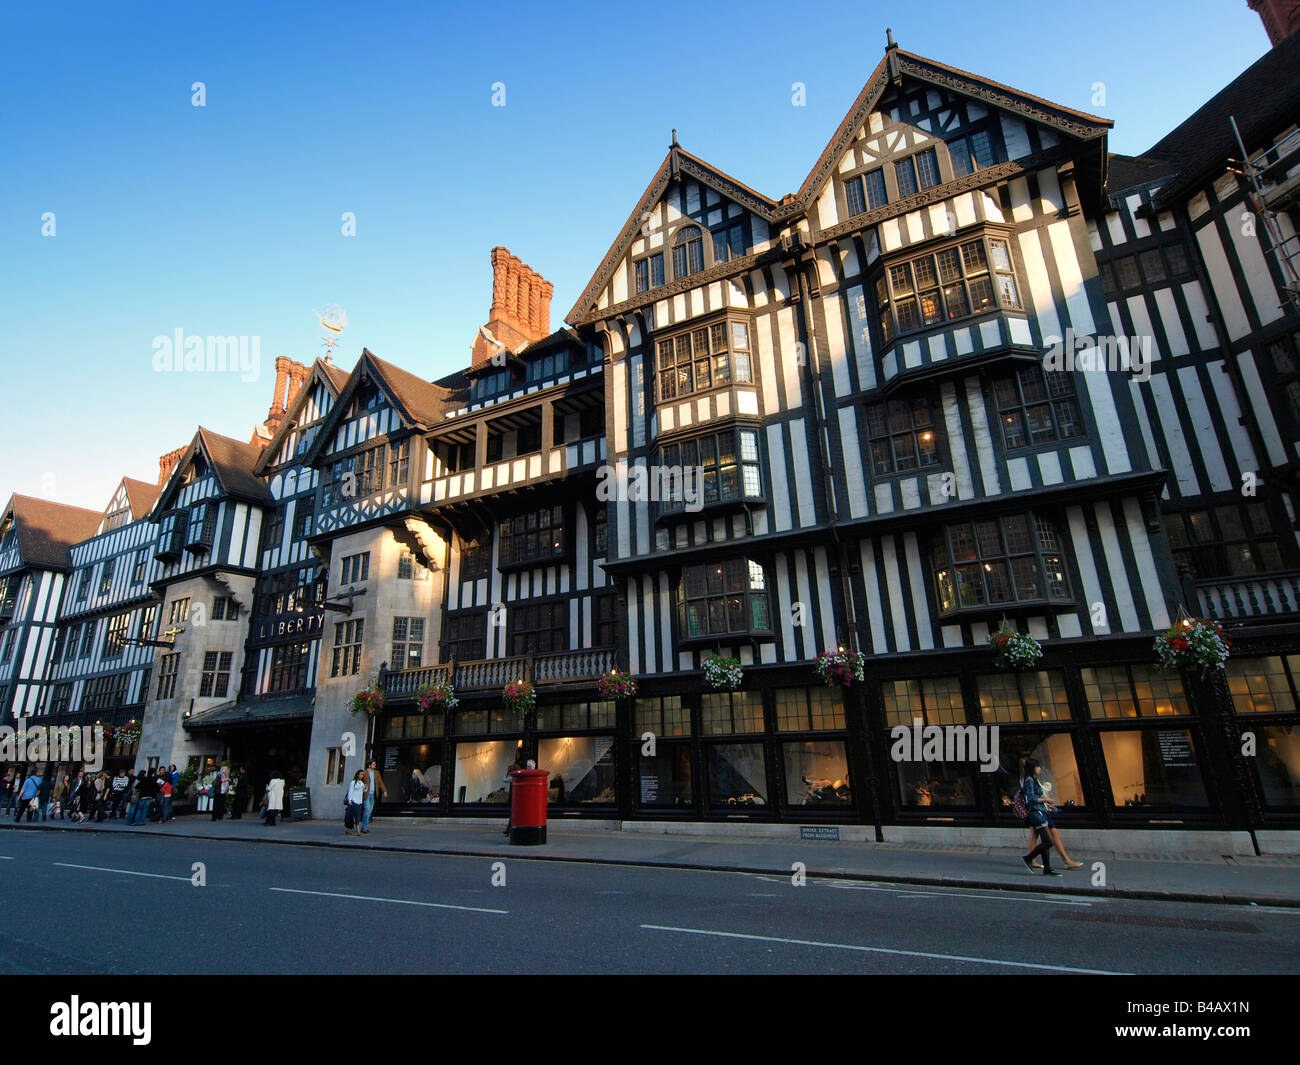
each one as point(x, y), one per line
point(35, 793)
point(79, 796)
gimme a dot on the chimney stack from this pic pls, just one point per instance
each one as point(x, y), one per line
point(521, 306)
point(167, 463)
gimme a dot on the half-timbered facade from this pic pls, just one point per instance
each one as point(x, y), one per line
point(35, 538)
point(102, 659)
point(976, 373)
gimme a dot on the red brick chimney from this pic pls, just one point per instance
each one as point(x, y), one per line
point(1281, 18)
point(521, 307)
point(167, 463)
point(290, 376)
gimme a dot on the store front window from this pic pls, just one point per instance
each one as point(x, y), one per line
point(479, 772)
point(737, 777)
point(1278, 760)
point(1153, 767)
point(1054, 751)
point(412, 773)
point(581, 768)
point(664, 778)
point(816, 774)
point(1263, 685)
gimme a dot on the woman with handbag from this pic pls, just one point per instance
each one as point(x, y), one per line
point(1037, 806)
point(355, 801)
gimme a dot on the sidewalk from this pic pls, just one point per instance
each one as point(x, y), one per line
point(1268, 880)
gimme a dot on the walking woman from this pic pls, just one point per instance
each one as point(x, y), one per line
point(1038, 806)
point(355, 802)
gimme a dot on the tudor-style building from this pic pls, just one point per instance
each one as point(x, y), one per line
point(35, 538)
point(510, 487)
point(102, 659)
point(893, 463)
point(976, 371)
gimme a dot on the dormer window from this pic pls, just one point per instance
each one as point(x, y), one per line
point(688, 251)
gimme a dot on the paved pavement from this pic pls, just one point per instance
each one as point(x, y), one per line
point(1272, 880)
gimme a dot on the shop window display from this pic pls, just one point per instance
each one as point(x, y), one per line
point(935, 784)
point(736, 775)
point(664, 778)
point(1278, 762)
point(412, 773)
point(1153, 767)
point(816, 774)
point(480, 771)
point(1053, 751)
point(581, 768)
point(1010, 697)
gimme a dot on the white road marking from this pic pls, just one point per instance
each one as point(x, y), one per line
point(5, 858)
point(762, 895)
point(884, 950)
point(124, 872)
point(904, 893)
point(374, 898)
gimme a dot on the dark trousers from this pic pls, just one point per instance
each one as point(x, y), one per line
point(1043, 850)
point(271, 815)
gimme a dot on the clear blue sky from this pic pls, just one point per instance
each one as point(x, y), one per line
point(225, 219)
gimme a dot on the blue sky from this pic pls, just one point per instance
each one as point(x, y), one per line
point(226, 219)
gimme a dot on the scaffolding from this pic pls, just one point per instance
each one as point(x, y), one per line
point(1273, 189)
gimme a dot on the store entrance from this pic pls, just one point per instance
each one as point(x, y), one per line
point(265, 750)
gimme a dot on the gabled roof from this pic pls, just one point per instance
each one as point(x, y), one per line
point(1264, 98)
point(233, 462)
point(47, 529)
point(420, 403)
point(896, 65)
point(141, 495)
point(332, 377)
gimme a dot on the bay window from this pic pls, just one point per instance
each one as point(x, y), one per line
point(954, 282)
point(717, 468)
point(702, 358)
point(1014, 559)
point(727, 597)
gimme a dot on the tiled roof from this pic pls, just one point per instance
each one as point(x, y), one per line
point(141, 495)
point(424, 400)
point(1263, 98)
point(234, 461)
point(46, 530)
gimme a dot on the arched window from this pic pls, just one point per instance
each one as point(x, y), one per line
point(688, 251)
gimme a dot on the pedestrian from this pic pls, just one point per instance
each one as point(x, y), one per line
point(7, 790)
point(274, 797)
point(1037, 804)
point(45, 796)
point(374, 781)
point(354, 803)
point(220, 789)
point(118, 788)
point(165, 798)
point(241, 794)
point(28, 801)
point(148, 785)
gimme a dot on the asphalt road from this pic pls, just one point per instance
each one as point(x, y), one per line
point(99, 903)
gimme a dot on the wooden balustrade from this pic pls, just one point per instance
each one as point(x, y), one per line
point(1239, 597)
point(559, 667)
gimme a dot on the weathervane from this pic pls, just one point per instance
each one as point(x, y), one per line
point(334, 319)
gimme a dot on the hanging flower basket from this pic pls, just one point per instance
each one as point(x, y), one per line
point(519, 697)
point(108, 730)
point(439, 695)
point(367, 702)
point(1193, 643)
point(616, 685)
point(128, 733)
point(723, 674)
point(841, 668)
point(1014, 650)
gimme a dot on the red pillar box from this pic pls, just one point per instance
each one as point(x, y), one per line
point(528, 806)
